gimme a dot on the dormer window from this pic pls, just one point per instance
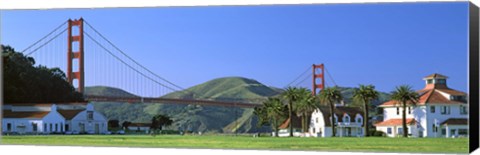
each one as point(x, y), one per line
point(346, 118)
point(441, 81)
point(457, 98)
point(89, 115)
point(429, 81)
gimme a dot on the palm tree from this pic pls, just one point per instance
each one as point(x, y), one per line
point(292, 95)
point(275, 110)
point(331, 96)
point(405, 95)
point(365, 94)
point(305, 106)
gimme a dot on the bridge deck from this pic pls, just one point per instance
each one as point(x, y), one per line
point(170, 101)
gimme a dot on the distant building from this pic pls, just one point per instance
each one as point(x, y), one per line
point(52, 118)
point(440, 112)
point(140, 127)
point(348, 120)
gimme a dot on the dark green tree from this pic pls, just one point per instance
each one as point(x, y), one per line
point(126, 124)
point(26, 83)
point(404, 95)
point(159, 121)
point(330, 96)
point(365, 94)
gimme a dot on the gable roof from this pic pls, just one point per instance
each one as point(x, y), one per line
point(339, 112)
point(396, 122)
point(455, 121)
point(297, 123)
point(35, 114)
point(69, 114)
point(431, 96)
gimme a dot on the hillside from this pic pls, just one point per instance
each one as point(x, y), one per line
point(192, 117)
point(107, 91)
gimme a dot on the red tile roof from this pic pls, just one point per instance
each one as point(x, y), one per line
point(36, 114)
point(455, 121)
point(431, 96)
point(396, 122)
point(297, 123)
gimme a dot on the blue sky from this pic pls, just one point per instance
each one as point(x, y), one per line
point(381, 44)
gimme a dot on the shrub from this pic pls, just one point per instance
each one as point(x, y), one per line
point(379, 134)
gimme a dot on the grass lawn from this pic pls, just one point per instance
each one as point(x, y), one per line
point(371, 144)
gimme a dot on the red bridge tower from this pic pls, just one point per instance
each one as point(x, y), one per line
point(75, 52)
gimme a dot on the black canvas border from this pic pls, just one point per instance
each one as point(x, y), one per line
point(473, 77)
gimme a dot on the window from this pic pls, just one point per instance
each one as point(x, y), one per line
point(316, 120)
point(89, 115)
point(400, 131)
point(56, 127)
point(462, 131)
point(34, 126)
point(389, 130)
point(444, 131)
point(346, 118)
point(359, 120)
point(313, 130)
point(434, 128)
point(445, 110)
point(432, 109)
point(51, 127)
point(441, 81)
point(429, 81)
point(9, 127)
point(398, 110)
point(44, 127)
point(463, 110)
point(409, 110)
point(61, 127)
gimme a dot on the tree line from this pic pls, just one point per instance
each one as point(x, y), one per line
point(301, 102)
point(26, 83)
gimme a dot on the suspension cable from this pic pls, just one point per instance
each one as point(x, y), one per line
point(330, 77)
point(123, 53)
point(44, 37)
point(308, 68)
point(33, 51)
point(88, 35)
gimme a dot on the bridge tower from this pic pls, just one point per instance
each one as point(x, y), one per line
point(75, 54)
point(316, 76)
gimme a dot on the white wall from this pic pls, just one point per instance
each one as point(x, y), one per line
point(55, 119)
point(81, 118)
point(27, 123)
point(431, 117)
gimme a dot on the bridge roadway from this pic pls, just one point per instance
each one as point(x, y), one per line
point(93, 98)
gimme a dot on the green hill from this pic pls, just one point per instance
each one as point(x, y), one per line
point(192, 117)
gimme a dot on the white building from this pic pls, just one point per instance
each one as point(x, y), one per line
point(440, 112)
point(52, 118)
point(349, 122)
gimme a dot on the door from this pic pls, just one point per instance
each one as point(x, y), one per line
point(67, 127)
point(97, 129)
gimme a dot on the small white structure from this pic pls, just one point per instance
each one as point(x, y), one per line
point(140, 127)
point(348, 121)
point(440, 112)
point(52, 118)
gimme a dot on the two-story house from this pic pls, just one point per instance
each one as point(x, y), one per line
point(348, 121)
point(439, 112)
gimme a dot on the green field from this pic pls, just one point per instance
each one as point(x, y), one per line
point(371, 144)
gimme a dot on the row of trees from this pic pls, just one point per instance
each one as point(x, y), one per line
point(158, 122)
point(301, 102)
